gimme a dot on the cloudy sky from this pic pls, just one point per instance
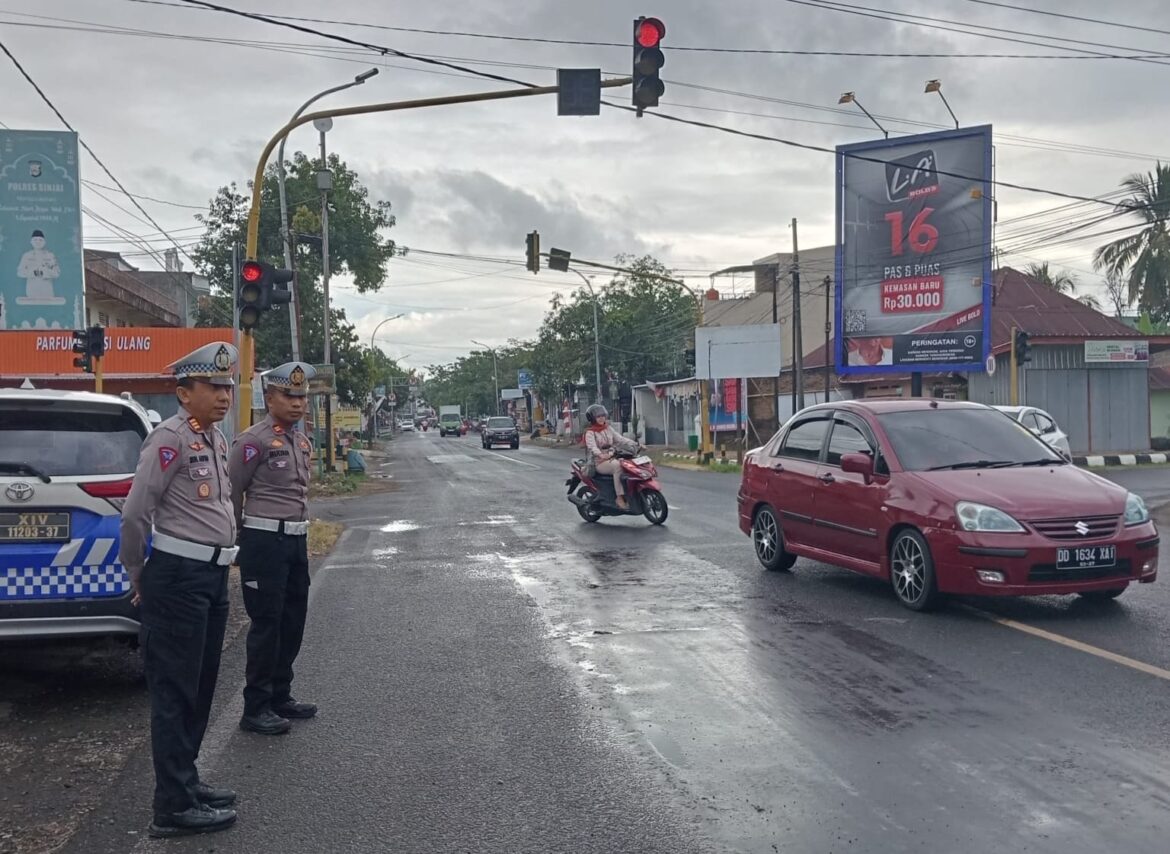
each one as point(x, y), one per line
point(179, 101)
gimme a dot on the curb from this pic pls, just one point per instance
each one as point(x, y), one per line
point(1108, 460)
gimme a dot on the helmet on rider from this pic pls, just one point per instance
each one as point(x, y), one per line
point(596, 411)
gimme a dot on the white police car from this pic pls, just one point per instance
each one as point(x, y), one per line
point(66, 463)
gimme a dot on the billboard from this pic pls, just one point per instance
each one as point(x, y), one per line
point(132, 351)
point(42, 270)
point(737, 352)
point(914, 253)
point(1134, 350)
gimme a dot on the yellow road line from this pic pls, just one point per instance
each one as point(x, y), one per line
point(1125, 661)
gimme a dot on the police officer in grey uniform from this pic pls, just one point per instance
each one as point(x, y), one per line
point(269, 468)
point(181, 502)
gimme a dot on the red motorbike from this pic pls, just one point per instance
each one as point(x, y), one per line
point(594, 497)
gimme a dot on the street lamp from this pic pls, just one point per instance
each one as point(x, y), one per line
point(293, 314)
point(495, 370)
point(588, 280)
point(851, 98)
point(936, 86)
point(379, 326)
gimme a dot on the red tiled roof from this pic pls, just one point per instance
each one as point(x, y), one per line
point(1021, 301)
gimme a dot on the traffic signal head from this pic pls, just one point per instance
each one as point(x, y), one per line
point(258, 291)
point(97, 341)
point(532, 242)
point(1023, 348)
point(648, 60)
point(81, 347)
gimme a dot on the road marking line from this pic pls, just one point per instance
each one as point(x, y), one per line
point(1125, 661)
point(488, 453)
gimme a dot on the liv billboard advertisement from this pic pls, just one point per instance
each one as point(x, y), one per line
point(41, 265)
point(914, 253)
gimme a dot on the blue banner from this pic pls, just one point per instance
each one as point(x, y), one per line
point(42, 269)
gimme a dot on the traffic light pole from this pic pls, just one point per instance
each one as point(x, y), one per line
point(1014, 378)
point(97, 374)
point(247, 350)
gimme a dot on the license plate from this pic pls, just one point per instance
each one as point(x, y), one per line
point(33, 527)
point(1086, 557)
point(641, 461)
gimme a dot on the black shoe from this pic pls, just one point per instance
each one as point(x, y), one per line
point(265, 723)
point(293, 709)
point(214, 796)
point(200, 819)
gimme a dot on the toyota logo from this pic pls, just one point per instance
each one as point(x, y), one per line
point(1082, 529)
point(19, 491)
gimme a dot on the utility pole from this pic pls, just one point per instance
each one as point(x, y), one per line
point(325, 184)
point(828, 283)
point(797, 338)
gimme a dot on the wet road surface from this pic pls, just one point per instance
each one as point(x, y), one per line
point(497, 675)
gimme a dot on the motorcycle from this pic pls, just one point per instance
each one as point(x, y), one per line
point(594, 497)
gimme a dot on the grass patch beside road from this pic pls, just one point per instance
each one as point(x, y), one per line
point(333, 483)
point(323, 536)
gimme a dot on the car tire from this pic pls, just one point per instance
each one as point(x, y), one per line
point(1101, 595)
point(656, 508)
point(912, 571)
point(768, 541)
point(515, 446)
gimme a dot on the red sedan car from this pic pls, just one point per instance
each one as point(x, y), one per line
point(941, 497)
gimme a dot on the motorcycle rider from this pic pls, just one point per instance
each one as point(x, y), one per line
point(603, 442)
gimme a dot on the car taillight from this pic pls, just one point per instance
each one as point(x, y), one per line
point(114, 491)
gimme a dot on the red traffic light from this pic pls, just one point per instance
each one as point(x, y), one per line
point(252, 271)
point(650, 32)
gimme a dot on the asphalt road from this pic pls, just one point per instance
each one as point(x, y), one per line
point(496, 675)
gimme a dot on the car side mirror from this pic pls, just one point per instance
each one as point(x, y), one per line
point(1051, 428)
point(861, 464)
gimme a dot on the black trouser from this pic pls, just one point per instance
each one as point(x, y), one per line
point(274, 569)
point(184, 614)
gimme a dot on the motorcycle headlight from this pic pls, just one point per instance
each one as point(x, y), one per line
point(1136, 511)
point(980, 517)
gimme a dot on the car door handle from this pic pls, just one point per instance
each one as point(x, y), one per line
point(827, 477)
point(777, 467)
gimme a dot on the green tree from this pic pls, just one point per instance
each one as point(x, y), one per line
point(1062, 282)
point(357, 246)
point(1143, 259)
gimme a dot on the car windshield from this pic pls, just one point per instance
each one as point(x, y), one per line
point(70, 442)
point(935, 439)
point(500, 423)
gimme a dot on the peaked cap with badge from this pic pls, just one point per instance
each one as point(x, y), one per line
point(212, 363)
point(292, 378)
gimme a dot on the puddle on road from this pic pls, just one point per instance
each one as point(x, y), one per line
point(399, 526)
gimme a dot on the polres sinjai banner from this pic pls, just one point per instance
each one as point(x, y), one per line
point(42, 271)
point(913, 276)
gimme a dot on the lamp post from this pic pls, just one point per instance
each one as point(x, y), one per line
point(495, 370)
point(851, 98)
point(374, 397)
point(936, 86)
point(293, 314)
point(588, 280)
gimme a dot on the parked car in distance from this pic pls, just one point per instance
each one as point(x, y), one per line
point(940, 497)
point(501, 430)
point(67, 460)
point(406, 425)
point(1042, 424)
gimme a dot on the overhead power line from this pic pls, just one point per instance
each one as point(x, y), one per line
point(683, 48)
point(1069, 17)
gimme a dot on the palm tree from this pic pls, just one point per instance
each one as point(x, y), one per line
point(1063, 282)
point(1143, 259)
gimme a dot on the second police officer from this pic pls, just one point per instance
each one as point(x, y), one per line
point(269, 469)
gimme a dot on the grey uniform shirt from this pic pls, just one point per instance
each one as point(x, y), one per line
point(181, 488)
point(269, 467)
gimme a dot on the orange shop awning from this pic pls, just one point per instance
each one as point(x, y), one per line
point(130, 351)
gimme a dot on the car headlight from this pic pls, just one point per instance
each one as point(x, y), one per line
point(980, 517)
point(1136, 511)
